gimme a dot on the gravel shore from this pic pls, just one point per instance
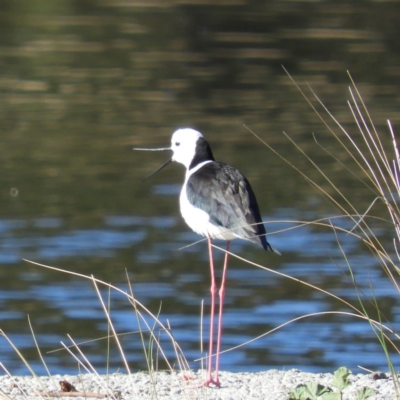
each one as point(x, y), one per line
point(269, 385)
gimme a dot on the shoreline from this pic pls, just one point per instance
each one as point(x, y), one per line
point(266, 385)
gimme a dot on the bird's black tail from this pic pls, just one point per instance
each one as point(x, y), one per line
point(269, 247)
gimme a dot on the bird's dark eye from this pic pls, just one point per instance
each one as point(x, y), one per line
point(177, 144)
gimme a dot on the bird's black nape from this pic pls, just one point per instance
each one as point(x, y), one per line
point(202, 153)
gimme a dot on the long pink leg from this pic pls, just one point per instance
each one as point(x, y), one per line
point(221, 308)
point(213, 291)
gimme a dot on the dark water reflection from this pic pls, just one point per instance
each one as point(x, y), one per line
point(83, 82)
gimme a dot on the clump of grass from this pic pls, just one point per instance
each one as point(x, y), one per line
point(377, 166)
point(149, 335)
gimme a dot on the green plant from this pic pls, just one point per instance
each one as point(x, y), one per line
point(340, 378)
point(309, 391)
point(314, 391)
point(364, 393)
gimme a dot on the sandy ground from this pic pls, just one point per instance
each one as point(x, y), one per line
point(268, 385)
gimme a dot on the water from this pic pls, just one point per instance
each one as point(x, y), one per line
point(81, 84)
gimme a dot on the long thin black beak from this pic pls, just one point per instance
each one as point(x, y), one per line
point(158, 169)
point(162, 166)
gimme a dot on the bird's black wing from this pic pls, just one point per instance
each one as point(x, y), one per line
point(226, 195)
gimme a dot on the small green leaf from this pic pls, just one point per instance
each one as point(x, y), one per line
point(309, 391)
point(340, 378)
point(364, 393)
point(316, 389)
point(299, 393)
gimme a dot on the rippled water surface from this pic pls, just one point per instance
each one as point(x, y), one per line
point(81, 83)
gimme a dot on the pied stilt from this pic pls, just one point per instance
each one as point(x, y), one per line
point(217, 202)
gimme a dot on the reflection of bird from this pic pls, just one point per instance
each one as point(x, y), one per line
point(217, 202)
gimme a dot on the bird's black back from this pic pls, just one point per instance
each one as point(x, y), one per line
point(226, 195)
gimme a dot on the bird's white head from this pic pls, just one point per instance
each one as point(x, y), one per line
point(183, 144)
point(189, 148)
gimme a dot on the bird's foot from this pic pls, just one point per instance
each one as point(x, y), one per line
point(210, 381)
point(187, 377)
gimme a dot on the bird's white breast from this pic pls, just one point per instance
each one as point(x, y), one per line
point(197, 219)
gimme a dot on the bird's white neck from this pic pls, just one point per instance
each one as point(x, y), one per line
point(191, 171)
